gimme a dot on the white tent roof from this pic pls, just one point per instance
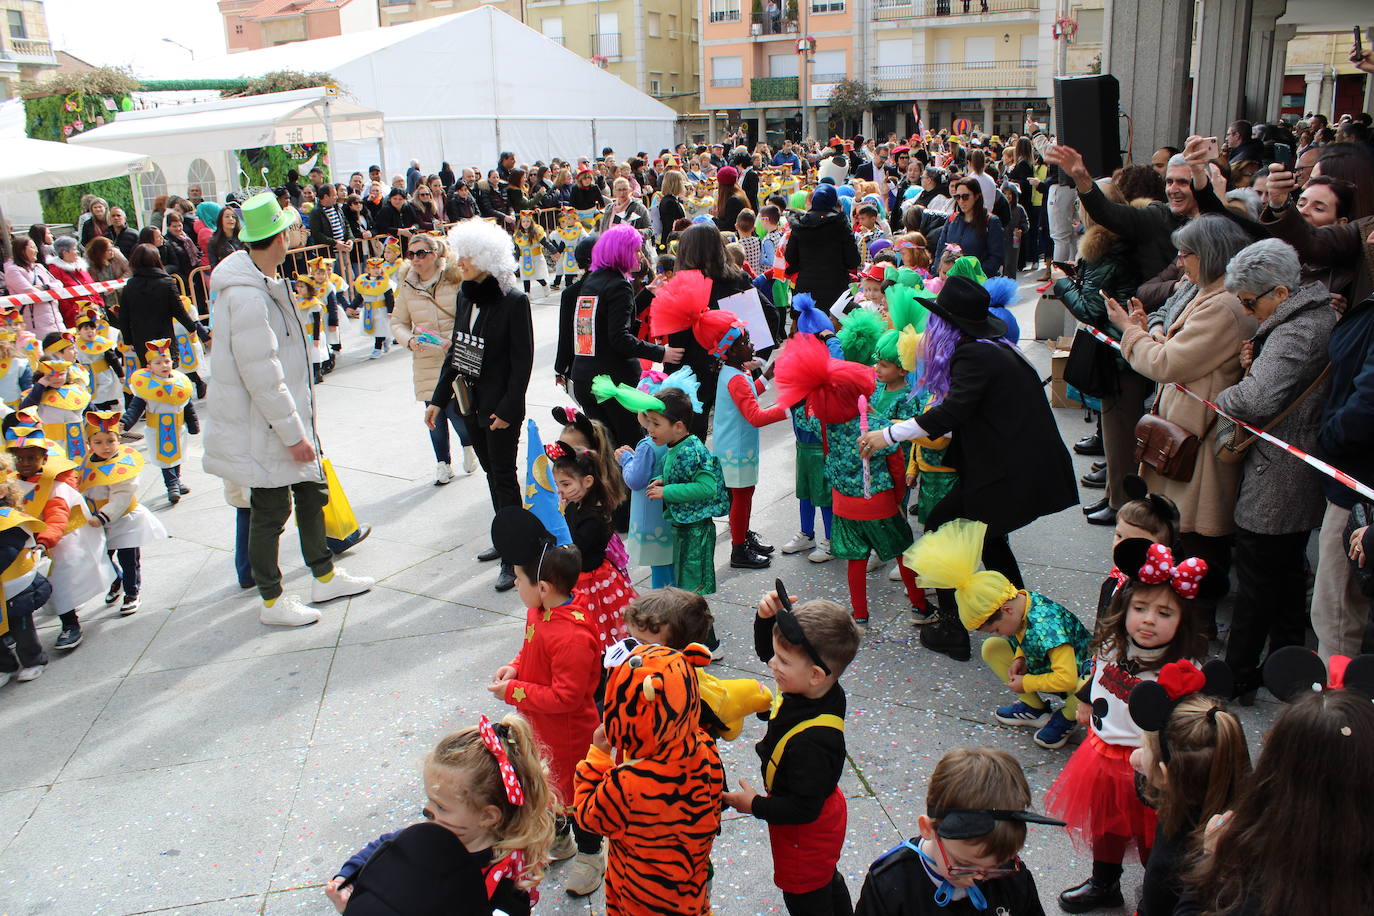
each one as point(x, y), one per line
point(31, 165)
point(227, 124)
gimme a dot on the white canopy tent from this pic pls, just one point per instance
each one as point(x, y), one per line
point(32, 165)
point(461, 88)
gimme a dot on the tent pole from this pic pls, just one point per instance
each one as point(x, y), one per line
point(381, 154)
point(136, 195)
point(329, 138)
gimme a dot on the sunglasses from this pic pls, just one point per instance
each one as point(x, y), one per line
point(1251, 303)
point(963, 197)
point(417, 253)
point(792, 631)
point(973, 871)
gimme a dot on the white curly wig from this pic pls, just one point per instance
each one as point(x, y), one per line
point(488, 247)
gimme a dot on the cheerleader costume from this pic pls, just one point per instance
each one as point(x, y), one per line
point(530, 250)
point(1096, 792)
point(96, 356)
point(373, 297)
point(603, 587)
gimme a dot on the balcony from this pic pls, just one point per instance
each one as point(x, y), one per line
point(29, 51)
point(967, 76)
point(775, 24)
point(729, 82)
point(607, 45)
point(951, 11)
point(774, 89)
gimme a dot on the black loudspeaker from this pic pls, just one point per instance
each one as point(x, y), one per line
point(1086, 117)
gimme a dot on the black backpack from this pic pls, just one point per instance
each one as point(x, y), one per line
point(422, 871)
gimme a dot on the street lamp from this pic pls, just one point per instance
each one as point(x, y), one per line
point(181, 46)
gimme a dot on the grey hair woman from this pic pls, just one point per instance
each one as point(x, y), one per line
point(1201, 350)
point(1280, 498)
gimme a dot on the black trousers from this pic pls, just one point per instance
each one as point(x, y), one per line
point(496, 451)
point(1271, 599)
point(831, 900)
point(997, 553)
point(587, 841)
point(624, 426)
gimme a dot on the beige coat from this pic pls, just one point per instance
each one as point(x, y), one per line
point(431, 309)
point(1201, 351)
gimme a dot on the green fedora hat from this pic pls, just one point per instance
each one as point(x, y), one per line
point(263, 218)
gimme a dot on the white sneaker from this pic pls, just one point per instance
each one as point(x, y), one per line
point(340, 585)
point(469, 459)
point(375, 354)
point(443, 473)
point(288, 611)
point(30, 674)
point(822, 552)
point(586, 873)
point(874, 563)
point(799, 543)
point(5, 677)
point(895, 573)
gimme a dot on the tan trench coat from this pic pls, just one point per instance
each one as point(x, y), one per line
point(431, 309)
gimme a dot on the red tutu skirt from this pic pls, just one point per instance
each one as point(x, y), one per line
point(605, 591)
point(1095, 795)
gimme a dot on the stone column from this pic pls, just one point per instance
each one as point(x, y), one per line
point(988, 117)
point(1260, 104)
point(1278, 66)
point(710, 126)
point(1149, 47)
point(1223, 39)
point(1312, 102)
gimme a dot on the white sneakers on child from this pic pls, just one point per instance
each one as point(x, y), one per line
point(895, 573)
point(822, 552)
point(469, 459)
point(874, 564)
point(375, 354)
point(443, 473)
point(288, 611)
point(30, 674)
point(802, 541)
point(340, 585)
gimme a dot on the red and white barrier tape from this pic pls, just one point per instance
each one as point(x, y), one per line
point(60, 292)
point(1334, 473)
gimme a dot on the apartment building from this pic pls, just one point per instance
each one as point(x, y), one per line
point(253, 24)
point(773, 67)
point(25, 50)
point(1318, 77)
point(650, 44)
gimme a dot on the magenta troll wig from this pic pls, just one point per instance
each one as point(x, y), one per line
point(618, 248)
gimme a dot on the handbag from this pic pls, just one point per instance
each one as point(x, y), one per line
point(339, 520)
point(1361, 514)
point(1234, 440)
point(1165, 446)
point(1091, 366)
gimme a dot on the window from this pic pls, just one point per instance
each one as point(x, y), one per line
point(827, 67)
point(672, 26)
point(655, 25)
point(653, 87)
point(552, 27)
point(979, 53)
point(1089, 27)
point(200, 173)
point(153, 184)
point(18, 30)
point(727, 71)
point(894, 52)
point(784, 64)
point(827, 6)
point(1030, 47)
point(724, 11)
point(238, 30)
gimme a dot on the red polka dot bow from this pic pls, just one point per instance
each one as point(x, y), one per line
point(556, 450)
point(515, 794)
point(1185, 578)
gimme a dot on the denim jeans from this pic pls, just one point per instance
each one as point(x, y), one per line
point(242, 567)
point(438, 436)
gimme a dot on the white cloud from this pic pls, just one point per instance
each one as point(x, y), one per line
point(129, 33)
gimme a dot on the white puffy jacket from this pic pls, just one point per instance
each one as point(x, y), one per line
point(262, 400)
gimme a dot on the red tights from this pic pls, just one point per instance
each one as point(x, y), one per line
point(741, 505)
point(858, 587)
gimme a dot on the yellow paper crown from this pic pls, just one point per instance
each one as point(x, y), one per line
point(89, 314)
point(376, 262)
point(11, 317)
point(9, 335)
point(102, 421)
point(63, 339)
point(315, 264)
point(948, 558)
point(159, 347)
point(25, 437)
point(53, 366)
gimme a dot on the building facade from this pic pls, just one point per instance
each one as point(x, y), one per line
point(1318, 77)
point(650, 44)
point(773, 65)
point(26, 52)
point(253, 24)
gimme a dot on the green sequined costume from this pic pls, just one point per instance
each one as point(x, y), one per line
point(853, 538)
point(811, 482)
point(693, 493)
point(1048, 626)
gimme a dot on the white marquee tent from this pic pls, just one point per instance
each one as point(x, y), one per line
point(461, 88)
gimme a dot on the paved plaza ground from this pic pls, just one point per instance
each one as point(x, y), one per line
point(188, 760)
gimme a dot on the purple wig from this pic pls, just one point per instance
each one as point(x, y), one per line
point(618, 249)
point(937, 351)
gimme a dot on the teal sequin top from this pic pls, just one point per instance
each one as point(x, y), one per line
point(693, 485)
point(1050, 625)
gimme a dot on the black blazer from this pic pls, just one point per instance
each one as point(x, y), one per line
point(503, 322)
point(618, 350)
point(1013, 467)
point(390, 221)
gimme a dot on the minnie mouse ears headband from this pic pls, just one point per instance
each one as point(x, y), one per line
point(1153, 564)
point(561, 449)
point(1293, 670)
point(1137, 488)
point(571, 416)
point(1152, 703)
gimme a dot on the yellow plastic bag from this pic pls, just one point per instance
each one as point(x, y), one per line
point(339, 520)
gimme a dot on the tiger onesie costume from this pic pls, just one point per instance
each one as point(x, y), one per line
point(660, 807)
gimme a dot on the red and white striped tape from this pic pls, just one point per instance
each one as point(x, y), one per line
point(61, 292)
point(1334, 473)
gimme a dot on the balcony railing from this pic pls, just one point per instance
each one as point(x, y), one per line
point(607, 45)
point(774, 24)
point(921, 9)
point(966, 75)
point(822, 78)
point(29, 47)
point(724, 15)
point(773, 88)
point(727, 82)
